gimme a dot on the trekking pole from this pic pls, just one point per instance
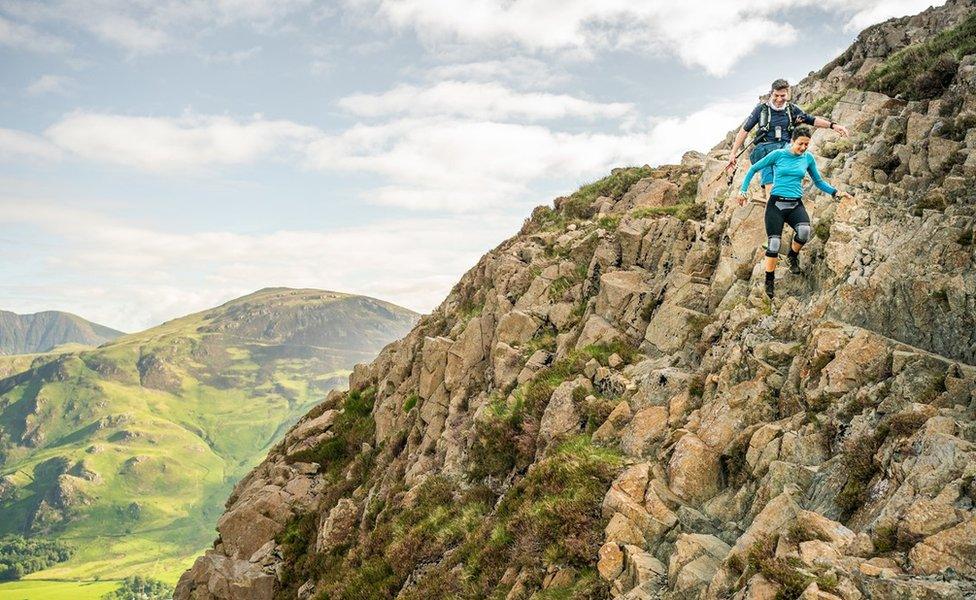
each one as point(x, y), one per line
point(736, 168)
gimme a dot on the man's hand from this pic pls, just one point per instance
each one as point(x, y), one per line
point(841, 129)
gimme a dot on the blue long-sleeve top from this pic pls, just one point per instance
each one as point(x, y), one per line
point(789, 170)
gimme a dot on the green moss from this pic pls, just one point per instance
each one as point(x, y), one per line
point(543, 340)
point(353, 427)
point(799, 534)
point(410, 402)
point(822, 229)
point(689, 190)
point(824, 105)
point(615, 185)
point(559, 287)
point(470, 309)
point(609, 222)
point(681, 212)
point(603, 351)
point(885, 538)
point(544, 217)
point(924, 70)
point(833, 148)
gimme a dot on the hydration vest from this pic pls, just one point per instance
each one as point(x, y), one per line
point(765, 116)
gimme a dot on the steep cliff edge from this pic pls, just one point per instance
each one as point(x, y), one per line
point(607, 406)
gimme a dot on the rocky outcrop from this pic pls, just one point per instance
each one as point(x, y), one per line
point(718, 445)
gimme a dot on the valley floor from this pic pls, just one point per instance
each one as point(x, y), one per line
point(55, 590)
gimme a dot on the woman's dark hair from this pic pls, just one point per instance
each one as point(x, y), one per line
point(801, 131)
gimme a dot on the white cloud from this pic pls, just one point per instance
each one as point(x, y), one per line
point(18, 35)
point(713, 34)
point(127, 32)
point(15, 145)
point(164, 143)
point(479, 100)
point(162, 274)
point(520, 70)
point(235, 57)
point(143, 26)
point(49, 84)
point(710, 34)
point(470, 165)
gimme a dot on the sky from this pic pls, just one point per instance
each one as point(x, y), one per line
point(159, 157)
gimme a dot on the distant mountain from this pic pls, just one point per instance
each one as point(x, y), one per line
point(40, 332)
point(127, 451)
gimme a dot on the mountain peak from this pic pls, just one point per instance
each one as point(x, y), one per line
point(42, 331)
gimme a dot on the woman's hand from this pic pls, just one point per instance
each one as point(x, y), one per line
point(844, 196)
point(740, 198)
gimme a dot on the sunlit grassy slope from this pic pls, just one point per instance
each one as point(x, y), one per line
point(128, 451)
point(55, 590)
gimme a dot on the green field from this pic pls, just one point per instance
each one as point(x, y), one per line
point(55, 590)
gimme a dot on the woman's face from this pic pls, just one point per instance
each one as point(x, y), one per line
point(800, 144)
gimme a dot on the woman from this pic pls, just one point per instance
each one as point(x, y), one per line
point(785, 204)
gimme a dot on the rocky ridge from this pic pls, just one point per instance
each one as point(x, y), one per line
point(607, 406)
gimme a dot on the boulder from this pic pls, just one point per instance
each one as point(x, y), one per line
point(954, 547)
point(646, 428)
point(694, 472)
point(561, 416)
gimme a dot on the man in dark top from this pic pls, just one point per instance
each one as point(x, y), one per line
point(776, 119)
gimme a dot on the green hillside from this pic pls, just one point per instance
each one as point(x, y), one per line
point(127, 452)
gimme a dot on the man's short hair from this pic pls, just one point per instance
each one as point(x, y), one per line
point(780, 84)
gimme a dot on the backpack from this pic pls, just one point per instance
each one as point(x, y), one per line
point(765, 116)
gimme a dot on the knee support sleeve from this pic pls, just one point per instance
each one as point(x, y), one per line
point(772, 246)
point(802, 233)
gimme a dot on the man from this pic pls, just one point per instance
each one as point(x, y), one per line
point(776, 119)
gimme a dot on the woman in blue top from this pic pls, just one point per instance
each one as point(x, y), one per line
point(785, 204)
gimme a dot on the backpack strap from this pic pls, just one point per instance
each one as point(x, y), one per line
point(789, 117)
point(764, 118)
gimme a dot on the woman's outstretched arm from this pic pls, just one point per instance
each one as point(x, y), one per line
point(817, 179)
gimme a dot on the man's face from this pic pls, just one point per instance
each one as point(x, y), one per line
point(778, 97)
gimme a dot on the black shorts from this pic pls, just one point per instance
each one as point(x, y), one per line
point(780, 210)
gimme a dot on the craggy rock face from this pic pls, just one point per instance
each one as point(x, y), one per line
point(607, 406)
